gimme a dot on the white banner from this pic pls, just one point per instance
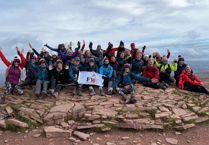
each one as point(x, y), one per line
point(90, 78)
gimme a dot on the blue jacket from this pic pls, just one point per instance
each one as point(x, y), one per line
point(121, 62)
point(106, 70)
point(75, 70)
point(91, 69)
point(126, 79)
point(43, 73)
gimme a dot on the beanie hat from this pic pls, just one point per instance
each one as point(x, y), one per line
point(126, 65)
point(164, 58)
point(146, 56)
point(132, 44)
point(42, 61)
point(121, 43)
point(59, 61)
point(34, 57)
point(77, 59)
point(91, 60)
point(52, 53)
point(69, 51)
point(16, 59)
point(180, 58)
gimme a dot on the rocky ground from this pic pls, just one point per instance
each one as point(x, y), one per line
point(158, 117)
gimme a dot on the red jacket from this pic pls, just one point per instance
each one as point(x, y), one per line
point(112, 51)
point(151, 72)
point(184, 77)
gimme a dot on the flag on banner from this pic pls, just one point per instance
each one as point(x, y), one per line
point(90, 78)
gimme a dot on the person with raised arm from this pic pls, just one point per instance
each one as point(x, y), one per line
point(14, 73)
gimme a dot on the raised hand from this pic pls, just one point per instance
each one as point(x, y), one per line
point(168, 50)
point(22, 51)
point(30, 46)
point(17, 48)
point(66, 67)
point(70, 43)
point(42, 49)
point(46, 45)
point(83, 42)
point(0, 48)
point(90, 44)
point(50, 67)
point(29, 51)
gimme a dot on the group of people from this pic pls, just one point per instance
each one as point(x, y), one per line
point(121, 69)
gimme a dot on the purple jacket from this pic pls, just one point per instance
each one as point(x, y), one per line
point(66, 58)
point(13, 75)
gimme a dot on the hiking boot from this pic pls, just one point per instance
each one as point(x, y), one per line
point(164, 88)
point(37, 95)
point(109, 93)
point(44, 94)
point(132, 100)
point(123, 96)
point(3, 99)
point(114, 91)
point(79, 91)
point(74, 90)
point(101, 91)
point(166, 85)
point(92, 92)
point(50, 92)
point(56, 94)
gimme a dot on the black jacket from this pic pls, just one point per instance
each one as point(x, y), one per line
point(61, 77)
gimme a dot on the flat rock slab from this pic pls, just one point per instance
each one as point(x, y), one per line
point(9, 110)
point(171, 141)
point(184, 127)
point(17, 122)
point(179, 111)
point(52, 132)
point(81, 135)
point(162, 114)
point(62, 108)
point(3, 123)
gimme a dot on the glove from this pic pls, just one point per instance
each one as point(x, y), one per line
point(90, 44)
point(144, 47)
point(31, 55)
point(46, 45)
point(79, 44)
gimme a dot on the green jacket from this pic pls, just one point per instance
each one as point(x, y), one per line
point(163, 67)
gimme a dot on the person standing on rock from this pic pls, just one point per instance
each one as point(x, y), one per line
point(91, 67)
point(190, 82)
point(107, 70)
point(14, 72)
point(151, 71)
point(43, 76)
point(59, 76)
point(73, 73)
point(127, 86)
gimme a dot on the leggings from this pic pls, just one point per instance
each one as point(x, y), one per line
point(12, 87)
point(126, 91)
point(157, 85)
point(28, 82)
point(57, 86)
point(196, 88)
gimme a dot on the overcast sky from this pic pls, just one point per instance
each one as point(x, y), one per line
point(178, 25)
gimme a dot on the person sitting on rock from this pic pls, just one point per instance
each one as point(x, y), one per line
point(165, 70)
point(73, 73)
point(107, 71)
point(128, 56)
point(14, 72)
point(59, 76)
point(137, 64)
point(151, 71)
point(126, 84)
point(43, 76)
point(190, 82)
point(121, 60)
point(91, 67)
point(180, 67)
